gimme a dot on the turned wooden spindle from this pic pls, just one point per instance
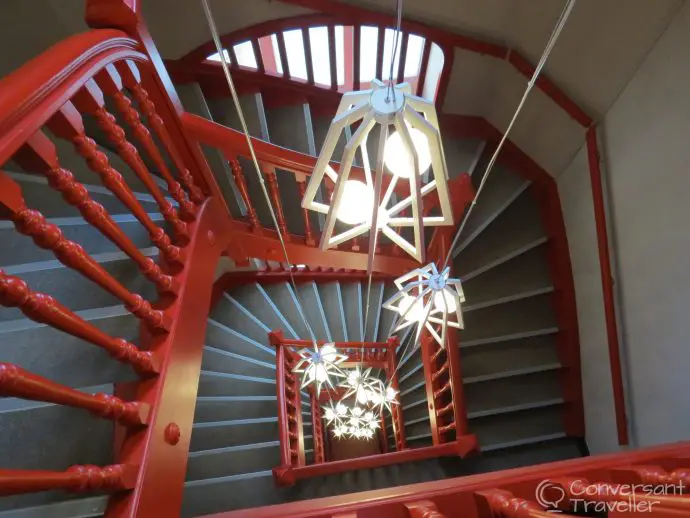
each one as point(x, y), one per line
point(48, 236)
point(308, 235)
point(80, 479)
point(16, 382)
point(110, 82)
point(276, 201)
point(90, 100)
point(44, 309)
point(241, 183)
point(423, 509)
point(39, 154)
point(132, 80)
point(67, 123)
point(497, 503)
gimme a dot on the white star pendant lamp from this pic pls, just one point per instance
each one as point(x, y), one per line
point(319, 366)
point(367, 201)
point(430, 300)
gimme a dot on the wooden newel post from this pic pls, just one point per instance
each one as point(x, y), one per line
point(396, 409)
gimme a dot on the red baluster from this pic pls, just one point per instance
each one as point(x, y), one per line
point(80, 479)
point(283, 424)
point(67, 123)
point(308, 235)
point(496, 503)
point(111, 83)
point(17, 382)
point(90, 100)
point(49, 236)
point(277, 203)
point(132, 79)
point(241, 183)
point(14, 292)
point(423, 509)
point(440, 372)
point(39, 154)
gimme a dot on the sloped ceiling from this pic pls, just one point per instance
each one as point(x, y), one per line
point(596, 55)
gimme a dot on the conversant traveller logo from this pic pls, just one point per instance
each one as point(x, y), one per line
point(579, 496)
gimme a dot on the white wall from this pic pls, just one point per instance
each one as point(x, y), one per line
point(646, 154)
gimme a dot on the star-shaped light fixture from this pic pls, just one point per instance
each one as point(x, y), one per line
point(429, 299)
point(319, 365)
point(404, 155)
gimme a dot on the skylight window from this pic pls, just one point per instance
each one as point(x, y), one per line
point(340, 51)
point(388, 44)
point(367, 58)
point(216, 56)
point(413, 58)
point(244, 52)
point(320, 58)
point(294, 47)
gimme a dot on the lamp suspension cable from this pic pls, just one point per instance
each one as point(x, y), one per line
point(233, 92)
point(565, 13)
point(398, 24)
point(563, 18)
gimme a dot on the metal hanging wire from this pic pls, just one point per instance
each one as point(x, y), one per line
point(562, 19)
point(226, 70)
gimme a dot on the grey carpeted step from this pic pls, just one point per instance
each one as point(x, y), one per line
point(221, 384)
point(75, 291)
point(236, 432)
point(332, 302)
point(233, 460)
point(222, 361)
point(228, 408)
point(65, 359)
point(353, 309)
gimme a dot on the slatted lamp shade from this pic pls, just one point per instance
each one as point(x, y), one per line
point(414, 146)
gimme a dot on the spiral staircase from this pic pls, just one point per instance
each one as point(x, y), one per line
point(511, 370)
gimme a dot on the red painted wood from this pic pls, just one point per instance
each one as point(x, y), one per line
point(498, 502)
point(79, 479)
point(259, 57)
point(241, 183)
point(282, 51)
point(14, 292)
point(403, 57)
point(131, 78)
point(428, 347)
point(126, 15)
point(423, 509)
point(276, 201)
point(161, 453)
point(285, 458)
point(39, 155)
point(424, 66)
point(16, 382)
point(607, 286)
point(67, 124)
point(356, 56)
point(308, 234)
point(379, 53)
point(349, 57)
point(90, 100)
point(318, 429)
point(48, 236)
point(458, 493)
point(332, 56)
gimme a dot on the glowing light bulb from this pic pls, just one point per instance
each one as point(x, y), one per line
point(415, 313)
point(340, 409)
point(353, 377)
point(375, 397)
point(391, 393)
point(356, 203)
point(440, 296)
point(317, 372)
point(368, 433)
point(369, 416)
point(397, 158)
point(362, 396)
point(329, 414)
point(373, 425)
point(328, 353)
point(357, 411)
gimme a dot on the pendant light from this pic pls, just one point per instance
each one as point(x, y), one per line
point(409, 144)
point(428, 299)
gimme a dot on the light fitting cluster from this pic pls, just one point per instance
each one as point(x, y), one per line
point(319, 366)
point(430, 300)
point(351, 422)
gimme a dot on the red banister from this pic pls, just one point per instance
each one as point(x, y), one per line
point(109, 479)
point(607, 286)
point(16, 382)
point(285, 459)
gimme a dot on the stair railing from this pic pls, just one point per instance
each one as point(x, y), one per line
point(50, 99)
point(651, 481)
point(274, 161)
